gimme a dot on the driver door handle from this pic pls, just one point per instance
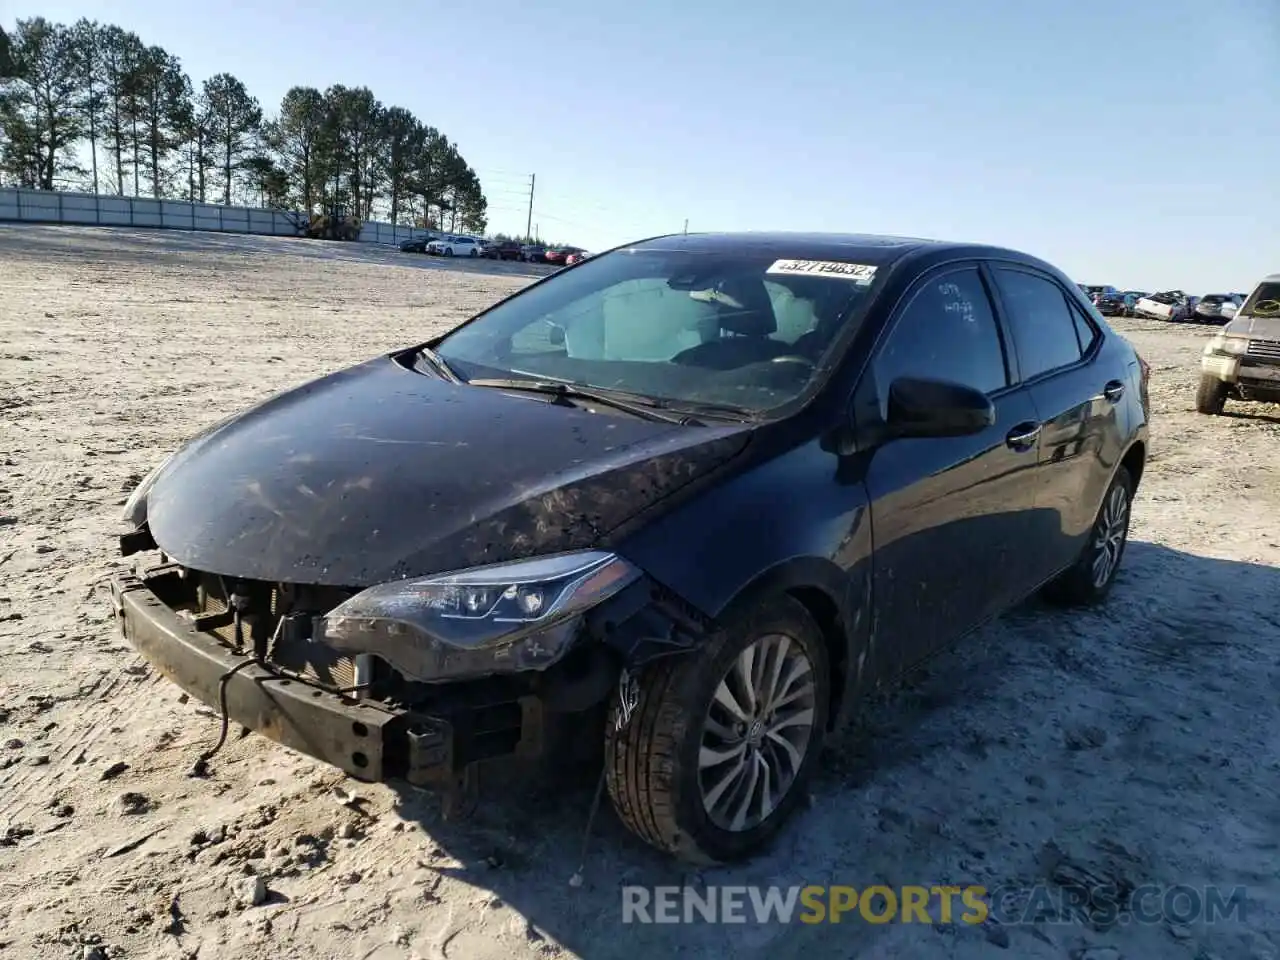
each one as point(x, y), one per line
point(1023, 437)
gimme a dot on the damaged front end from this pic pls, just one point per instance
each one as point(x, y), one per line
point(420, 679)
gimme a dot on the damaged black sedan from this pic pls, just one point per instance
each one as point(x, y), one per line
point(691, 498)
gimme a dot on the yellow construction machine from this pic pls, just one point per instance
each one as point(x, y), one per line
point(334, 224)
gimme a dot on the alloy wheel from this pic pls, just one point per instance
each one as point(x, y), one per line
point(757, 732)
point(1109, 535)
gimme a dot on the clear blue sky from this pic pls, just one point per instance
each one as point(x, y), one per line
point(1132, 142)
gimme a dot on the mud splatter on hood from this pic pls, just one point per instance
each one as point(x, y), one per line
point(376, 473)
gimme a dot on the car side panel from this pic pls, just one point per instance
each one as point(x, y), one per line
point(954, 524)
point(1084, 438)
point(1076, 419)
point(793, 520)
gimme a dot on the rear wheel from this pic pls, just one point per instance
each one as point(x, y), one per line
point(722, 742)
point(1211, 397)
point(1089, 579)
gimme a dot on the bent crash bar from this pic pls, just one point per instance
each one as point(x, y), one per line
point(367, 740)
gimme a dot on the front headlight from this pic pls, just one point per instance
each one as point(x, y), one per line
point(503, 618)
point(1227, 344)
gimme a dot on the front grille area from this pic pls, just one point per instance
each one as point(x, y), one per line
point(1266, 349)
point(290, 647)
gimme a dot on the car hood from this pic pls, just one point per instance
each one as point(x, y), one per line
point(1260, 328)
point(378, 472)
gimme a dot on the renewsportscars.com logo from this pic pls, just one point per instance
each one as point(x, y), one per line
point(811, 904)
point(937, 904)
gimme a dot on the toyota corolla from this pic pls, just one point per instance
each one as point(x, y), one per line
point(692, 497)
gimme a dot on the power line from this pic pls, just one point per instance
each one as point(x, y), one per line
point(547, 216)
point(502, 173)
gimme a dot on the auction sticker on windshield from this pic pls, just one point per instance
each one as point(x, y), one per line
point(860, 273)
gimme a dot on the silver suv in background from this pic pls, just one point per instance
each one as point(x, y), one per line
point(1242, 361)
point(1218, 307)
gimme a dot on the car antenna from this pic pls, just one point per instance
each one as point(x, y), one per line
point(628, 697)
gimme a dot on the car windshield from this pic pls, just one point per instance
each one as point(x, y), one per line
point(746, 331)
point(1263, 302)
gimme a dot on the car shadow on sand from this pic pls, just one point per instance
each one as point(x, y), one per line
point(1254, 415)
point(949, 774)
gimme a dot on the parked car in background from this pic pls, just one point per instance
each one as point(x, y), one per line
point(577, 257)
point(1217, 307)
point(1242, 361)
point(457, 247)
point(1171, 305)
point(1098, 290)
point(1111, 304)
point(556, 255)
point(415, 244)
point(768, 515)
point(502, 250)
point(436, 246)
point(533, 253)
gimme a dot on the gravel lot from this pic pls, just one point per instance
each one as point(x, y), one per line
point(1140, 743)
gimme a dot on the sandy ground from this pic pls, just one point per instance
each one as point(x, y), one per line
point(1139, 743)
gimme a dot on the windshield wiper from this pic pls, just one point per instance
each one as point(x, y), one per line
point(565, 393)
point(437, 363)
point(730, 411)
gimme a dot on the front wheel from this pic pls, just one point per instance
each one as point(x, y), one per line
point(1211, 396)
point(722, 742)
point(1088, 581)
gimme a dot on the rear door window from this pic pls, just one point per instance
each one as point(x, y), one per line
point(1044, 326)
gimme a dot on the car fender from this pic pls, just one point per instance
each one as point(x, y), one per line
point(789, 522)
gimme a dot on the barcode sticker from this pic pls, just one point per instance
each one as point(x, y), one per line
point(860, 273)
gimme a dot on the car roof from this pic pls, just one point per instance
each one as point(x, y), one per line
point(872, 249)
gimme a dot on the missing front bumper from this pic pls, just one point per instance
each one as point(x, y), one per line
point(368, 740)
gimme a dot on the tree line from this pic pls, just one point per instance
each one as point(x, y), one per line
point(92, 106)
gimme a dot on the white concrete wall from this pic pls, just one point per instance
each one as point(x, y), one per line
point(46, 206)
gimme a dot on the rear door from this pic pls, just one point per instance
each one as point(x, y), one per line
point(1076, 396)
point(950, 516)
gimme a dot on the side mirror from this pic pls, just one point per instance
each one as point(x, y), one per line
point(937, 408)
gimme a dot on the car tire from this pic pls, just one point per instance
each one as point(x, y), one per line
point(1088, 581)
point(471, 254)
point(448, 251)
point(682, 714)
point(1211, 396)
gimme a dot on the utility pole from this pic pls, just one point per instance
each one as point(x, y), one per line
point(686, 225)
point(528, 225)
